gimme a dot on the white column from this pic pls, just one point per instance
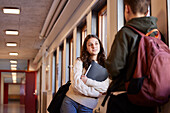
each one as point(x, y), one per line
point(111, 22)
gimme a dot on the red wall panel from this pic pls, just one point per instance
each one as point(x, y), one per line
point(0, 87)
point(30, 104)
point(5, 93)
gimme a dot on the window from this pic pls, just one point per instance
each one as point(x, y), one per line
point(120, 16)
point(81, 34)
point(47, 76)
point(78, 43)
point(102, 15)
point(149, 11)
point(53, 73)
point(69, 58)
point(168, 15)
point(60, 66)
point(84, 34)
point(71, 55)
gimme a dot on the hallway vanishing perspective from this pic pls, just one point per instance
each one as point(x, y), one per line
point(40, 41)
point(12, 107)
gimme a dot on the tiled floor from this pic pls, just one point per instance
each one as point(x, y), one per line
point(13, 107)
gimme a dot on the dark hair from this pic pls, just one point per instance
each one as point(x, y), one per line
point(140, 6)
point(85, 55)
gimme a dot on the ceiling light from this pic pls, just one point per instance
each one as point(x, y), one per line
point(14, 73)
point(13, 65)
point(13, 54)
point(11, 32)
point(14, 81)
point(11, 44)
point(13, 68)
point(14, 77)
point(13, 61)
point(8, 10)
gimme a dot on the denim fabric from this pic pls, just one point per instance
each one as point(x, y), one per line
point(70, 106)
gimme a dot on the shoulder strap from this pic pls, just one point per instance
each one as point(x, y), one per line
point(110, 89)
point(150, 32)
point(136, 30)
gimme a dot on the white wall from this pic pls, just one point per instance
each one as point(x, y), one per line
point(13, 89)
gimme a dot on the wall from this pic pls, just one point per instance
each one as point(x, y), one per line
point(14, 89)
point(13, 92)
point(0, 87)
point(159, 10)
point(5, 93)
point(22, 94)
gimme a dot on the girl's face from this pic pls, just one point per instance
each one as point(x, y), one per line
point(93, 46)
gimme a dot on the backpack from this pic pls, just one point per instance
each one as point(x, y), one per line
point(150, 84)
point(56, 102)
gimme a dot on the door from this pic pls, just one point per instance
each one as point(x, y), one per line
point(30, 98)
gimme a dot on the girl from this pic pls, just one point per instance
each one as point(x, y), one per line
point(83, 93)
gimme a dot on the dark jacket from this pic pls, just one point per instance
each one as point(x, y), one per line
point(122, 58)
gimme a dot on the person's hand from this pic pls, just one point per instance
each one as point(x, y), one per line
point(83, 78)
point(100, 94)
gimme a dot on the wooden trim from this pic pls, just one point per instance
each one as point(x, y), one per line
point(102, 10)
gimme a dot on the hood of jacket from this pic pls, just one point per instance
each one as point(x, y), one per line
point(143, 24)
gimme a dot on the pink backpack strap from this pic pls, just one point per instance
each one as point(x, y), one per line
point(136, 30)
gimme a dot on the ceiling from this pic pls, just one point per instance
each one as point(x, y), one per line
point(29, 23)
point(41, 25)
point(8, 77)
point(38, 24)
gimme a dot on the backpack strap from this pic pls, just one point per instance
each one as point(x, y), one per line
point(158, 35)
point(105, 98)
point(136, 30)
point(110, 89)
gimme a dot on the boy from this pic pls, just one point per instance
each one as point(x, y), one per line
point(122, 59)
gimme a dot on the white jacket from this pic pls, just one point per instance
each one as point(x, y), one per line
point(85, 93)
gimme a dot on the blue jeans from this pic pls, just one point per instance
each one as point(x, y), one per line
point(70, 106)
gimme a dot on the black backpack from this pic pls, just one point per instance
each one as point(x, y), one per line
point(57, 100)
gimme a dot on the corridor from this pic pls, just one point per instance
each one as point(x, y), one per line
point(12, 107)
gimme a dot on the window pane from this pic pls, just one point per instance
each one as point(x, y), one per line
point(103, 27)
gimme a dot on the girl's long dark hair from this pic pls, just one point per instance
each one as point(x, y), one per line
point(85, 55)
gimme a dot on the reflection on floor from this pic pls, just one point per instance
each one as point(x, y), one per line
point(12, 107)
